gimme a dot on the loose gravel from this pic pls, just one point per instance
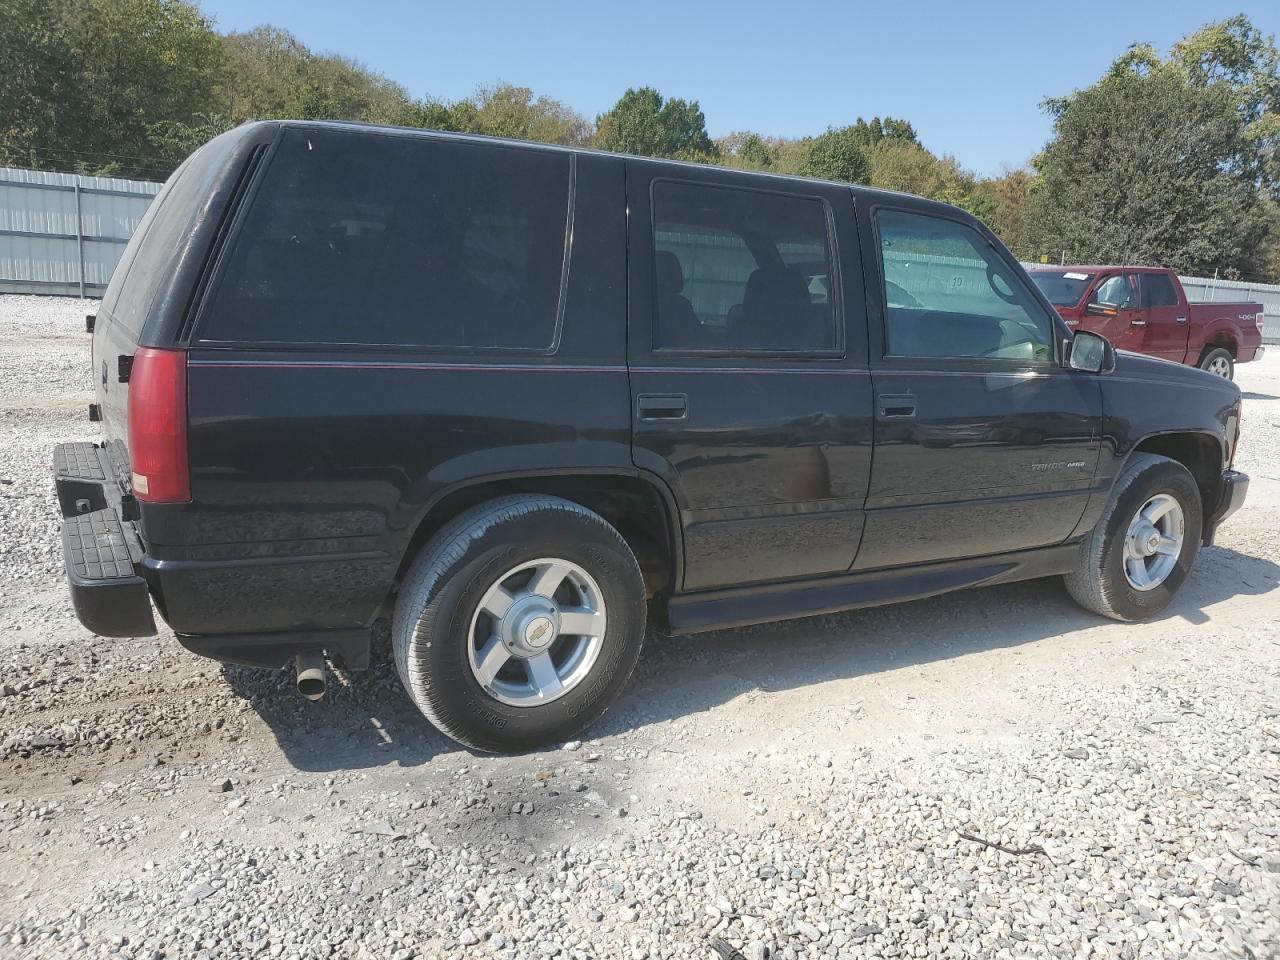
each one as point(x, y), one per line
point(990, 774)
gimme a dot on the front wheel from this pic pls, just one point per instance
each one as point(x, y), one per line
point(1142, 549)
point(519, 623)
point(1218, 362)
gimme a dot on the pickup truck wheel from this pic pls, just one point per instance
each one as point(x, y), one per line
point(1218, 362)
point(519, 623)
point(1142, 549)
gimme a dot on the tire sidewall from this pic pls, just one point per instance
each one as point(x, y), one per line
point(1162, 477)
point(438, 665)
point(1231, 366)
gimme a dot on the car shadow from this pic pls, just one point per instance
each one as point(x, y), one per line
point(1251, 395)
point(366, 719)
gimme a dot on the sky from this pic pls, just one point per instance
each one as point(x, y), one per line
point(969, 76)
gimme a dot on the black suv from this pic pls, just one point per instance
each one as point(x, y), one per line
point(524, 400)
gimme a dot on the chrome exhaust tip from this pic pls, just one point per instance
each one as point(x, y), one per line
point(312, 675)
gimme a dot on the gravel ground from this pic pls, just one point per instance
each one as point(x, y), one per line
point(990, 774)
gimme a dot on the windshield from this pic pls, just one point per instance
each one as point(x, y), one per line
point(1064, 288)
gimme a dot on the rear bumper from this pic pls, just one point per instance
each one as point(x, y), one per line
point(225, 604)
point(100, 545)
point(1232, 492)
point(101, 552)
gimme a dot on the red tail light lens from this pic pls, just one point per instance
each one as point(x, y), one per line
point(158, 426)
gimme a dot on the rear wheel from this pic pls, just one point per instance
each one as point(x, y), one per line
point(1142, 549)
point(1218, 362)
point(519, 623)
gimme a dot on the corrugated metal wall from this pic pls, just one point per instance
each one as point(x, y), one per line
point(62, 233)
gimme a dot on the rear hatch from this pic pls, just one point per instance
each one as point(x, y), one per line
point(156, 284)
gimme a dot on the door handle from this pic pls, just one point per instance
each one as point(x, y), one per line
point(1182, 319)
point(897, 405)
point(1137, 322)
point(662, 406)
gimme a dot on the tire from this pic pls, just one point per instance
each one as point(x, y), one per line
point(1220, 363)
point(1100, 581)
point(440, 628)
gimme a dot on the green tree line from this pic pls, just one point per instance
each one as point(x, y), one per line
point(1171, 159)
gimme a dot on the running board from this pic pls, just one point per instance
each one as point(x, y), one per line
point(743, 606)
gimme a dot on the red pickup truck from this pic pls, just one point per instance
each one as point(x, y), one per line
point(1144, 309)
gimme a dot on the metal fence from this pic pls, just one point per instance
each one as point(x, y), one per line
point(62, 233)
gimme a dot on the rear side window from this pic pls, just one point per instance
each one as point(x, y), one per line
point(741, 270)
point(1157, 291)
point(384, 240)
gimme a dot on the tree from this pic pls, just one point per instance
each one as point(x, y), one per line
point(643, 123)
point(140, 62)
point(835, 155)
point(509, 111)
point(1151, 165)
point(269, 74)
point(877, 131)
point(746, 150)
point(43, 111)
point(1008, 197)
point(86, 80)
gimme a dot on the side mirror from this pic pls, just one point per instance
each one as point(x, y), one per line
point(1091, 353)
point(1096, 308)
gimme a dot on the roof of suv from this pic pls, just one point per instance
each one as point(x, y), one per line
point(386, 129)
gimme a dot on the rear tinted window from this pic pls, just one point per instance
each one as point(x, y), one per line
point(1157, 291)
point(371, 239)
point(741, 270)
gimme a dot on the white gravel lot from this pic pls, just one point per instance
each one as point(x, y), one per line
point(989, 774)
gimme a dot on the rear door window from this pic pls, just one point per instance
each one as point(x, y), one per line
point(742, 271)
point(1157, 291)
point(371, 239)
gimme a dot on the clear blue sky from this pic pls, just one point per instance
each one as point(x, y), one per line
point(969, 75)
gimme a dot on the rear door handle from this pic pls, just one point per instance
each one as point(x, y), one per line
point(662, 406)
point(897, 405)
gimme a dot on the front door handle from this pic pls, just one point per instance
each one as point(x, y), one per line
point(897, 405)
point(662, 406)
point(1137, 322)
point(1182, 319)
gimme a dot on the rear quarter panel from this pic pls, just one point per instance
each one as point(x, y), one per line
point(312, 468)
point(1235, 323)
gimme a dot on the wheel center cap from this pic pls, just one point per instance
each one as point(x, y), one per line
point(539, 632)
point(530, 627)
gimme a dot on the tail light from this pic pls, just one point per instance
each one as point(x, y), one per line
point(1260, 319)
point(158, 426)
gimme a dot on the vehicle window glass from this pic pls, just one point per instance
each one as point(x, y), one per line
point(948, 294)
point(1115, 291)
point(148, 259)
point(366, 239)
point(1157, 291)
point(741, 270)
point(1064, 288)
